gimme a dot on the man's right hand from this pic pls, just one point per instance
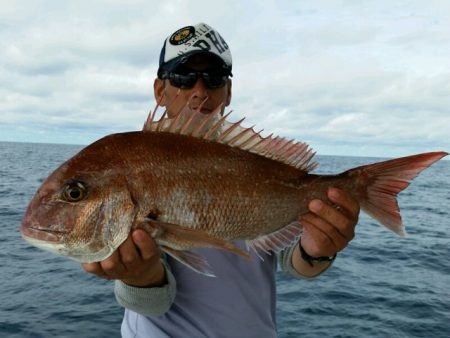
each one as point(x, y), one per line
point(136, 262)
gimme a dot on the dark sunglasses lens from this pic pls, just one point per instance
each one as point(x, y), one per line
point(214, 81)
point(186, 81)
point(183, 81)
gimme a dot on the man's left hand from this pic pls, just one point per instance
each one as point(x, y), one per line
point(328, 229)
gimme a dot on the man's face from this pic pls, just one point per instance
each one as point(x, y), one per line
point(175, 99)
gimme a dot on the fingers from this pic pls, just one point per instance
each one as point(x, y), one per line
point(331, 220)
point(136, 259)
point(328, 229)
point(345, 201)
point(343, 215)
point(110, 268)
point(93, 268)
point(146, 245)
point(326, 239)
point(113, 266)
point(138, 249)
point(129, 253)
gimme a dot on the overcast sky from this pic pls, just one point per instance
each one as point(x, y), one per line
point(365, 78)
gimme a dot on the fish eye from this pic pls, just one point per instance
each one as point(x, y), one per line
point(74, 191)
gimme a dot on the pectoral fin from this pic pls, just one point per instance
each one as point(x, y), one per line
point(192, 260)
point(177, 241)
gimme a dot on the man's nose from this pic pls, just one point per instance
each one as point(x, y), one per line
point(199, 89)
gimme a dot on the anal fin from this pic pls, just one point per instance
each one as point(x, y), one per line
point(276, 241)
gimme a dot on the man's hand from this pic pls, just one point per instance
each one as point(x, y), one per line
point(327, 229)
point(136, 262)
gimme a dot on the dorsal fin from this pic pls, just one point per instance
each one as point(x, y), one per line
point(214, 127)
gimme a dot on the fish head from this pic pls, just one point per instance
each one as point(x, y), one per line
point(83, 210)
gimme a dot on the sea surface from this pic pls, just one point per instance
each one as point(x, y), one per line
point(381, 285)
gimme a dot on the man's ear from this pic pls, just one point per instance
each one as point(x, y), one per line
point(228, 100)
point(158, 91)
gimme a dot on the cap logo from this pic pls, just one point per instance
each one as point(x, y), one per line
point(190, 40)
point(182, 35)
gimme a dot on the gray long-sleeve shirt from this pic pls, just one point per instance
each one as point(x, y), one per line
point(239, 302)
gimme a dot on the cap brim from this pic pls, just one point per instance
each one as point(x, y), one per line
point(173, 65)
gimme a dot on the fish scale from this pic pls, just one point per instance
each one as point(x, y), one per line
point(232, 210)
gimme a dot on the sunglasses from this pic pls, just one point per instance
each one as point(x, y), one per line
point(188, 80)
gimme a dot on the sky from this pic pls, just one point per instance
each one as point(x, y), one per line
point(358, 78)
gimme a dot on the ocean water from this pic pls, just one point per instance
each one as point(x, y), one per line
point(380, 286)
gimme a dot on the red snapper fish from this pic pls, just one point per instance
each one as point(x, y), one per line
point(199, 181)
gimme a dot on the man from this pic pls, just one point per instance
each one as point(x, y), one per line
point(162, 297)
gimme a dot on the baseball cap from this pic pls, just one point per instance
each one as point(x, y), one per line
point(191, 40)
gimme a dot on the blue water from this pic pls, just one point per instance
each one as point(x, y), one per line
point(380, 286)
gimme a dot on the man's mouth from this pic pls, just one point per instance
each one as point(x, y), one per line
point(203, 110)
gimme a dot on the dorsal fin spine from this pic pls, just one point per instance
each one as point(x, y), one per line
point(286, 150)
point(239, 136)
point(300, 154)
point(298, 158)
point(174, 123)
point(271, 147)
point(256, 145)
point(161, 121)
point(201, 104)
point(225, 133)
point(302, 158)
point(250, 139)
point(312, 165)
point(215, 127)
point(279, 151)
point(285, 147)
point(290, 151)
point(186, 125)
point(196, 131)
point(151, 116)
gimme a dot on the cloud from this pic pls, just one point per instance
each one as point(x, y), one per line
point(344, 76)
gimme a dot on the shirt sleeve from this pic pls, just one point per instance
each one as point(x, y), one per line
point(285, 261)
point(147, 301)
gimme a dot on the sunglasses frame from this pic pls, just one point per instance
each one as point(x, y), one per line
point(188, 80)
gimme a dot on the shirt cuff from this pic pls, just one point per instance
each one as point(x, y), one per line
point(147, 301)
point(286, 264)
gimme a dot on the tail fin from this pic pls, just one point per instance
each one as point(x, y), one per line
point(386, 179)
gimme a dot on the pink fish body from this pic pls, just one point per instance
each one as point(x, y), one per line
point(200, 182)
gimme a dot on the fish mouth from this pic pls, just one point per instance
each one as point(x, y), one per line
point(54, 247)
point(48, 234)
